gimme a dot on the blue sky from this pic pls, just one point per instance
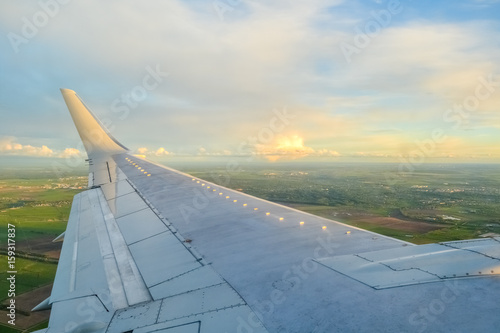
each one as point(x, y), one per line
point(360, 80)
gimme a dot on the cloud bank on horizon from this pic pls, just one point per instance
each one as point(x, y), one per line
point(383, 80)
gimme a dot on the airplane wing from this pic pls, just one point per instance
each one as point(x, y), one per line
point(151, 249)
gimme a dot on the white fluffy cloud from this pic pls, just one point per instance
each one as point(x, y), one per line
point(158, 152)
point(10, 146)
point(161, 152)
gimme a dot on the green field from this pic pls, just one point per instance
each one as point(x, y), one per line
point(31, 274)
point(37, 206)
point(27, 231)
point(10, 329)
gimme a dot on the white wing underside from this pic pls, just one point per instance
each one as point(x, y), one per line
point(150, 249)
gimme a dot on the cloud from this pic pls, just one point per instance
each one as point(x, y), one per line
point(226, 75)
point(442, 59)
point(10, 146)
point(70, 152)
point(161, 152)
point(289, 148)
point(202, 151)
point(144, 151)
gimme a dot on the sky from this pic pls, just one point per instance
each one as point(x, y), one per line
point(381, 80)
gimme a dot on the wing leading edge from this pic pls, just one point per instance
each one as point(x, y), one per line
point(151, 249)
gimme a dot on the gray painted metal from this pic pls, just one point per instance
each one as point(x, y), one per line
point(132, 282)
point(140, 225)
point(420, 264)
point(188, 328)
point(140, 315)
point(91, 180)
point(83, 314)
point(211, 319)
point(271, 260)
point(199, 278)
point(209, 299)
point(116, 189)
point(111, 269)
point(175, 259)
point(126, 204)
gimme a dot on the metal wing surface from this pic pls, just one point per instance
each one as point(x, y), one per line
point(151, 249)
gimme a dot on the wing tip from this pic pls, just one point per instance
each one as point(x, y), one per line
point(66, 91)
point(95, 136)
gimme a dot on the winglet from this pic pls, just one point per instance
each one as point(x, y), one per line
point(96, 138)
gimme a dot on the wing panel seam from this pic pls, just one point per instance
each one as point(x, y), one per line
point(170, 227)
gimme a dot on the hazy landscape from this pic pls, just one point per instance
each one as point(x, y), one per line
point(433, 203)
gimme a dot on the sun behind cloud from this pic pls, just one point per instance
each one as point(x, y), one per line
point(290, 147)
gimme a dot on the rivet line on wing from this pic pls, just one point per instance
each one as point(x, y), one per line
point(301, 223)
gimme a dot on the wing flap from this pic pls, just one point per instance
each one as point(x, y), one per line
point(420, 264)
point(140, 225)
point(131, 280)
point(198, 278)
